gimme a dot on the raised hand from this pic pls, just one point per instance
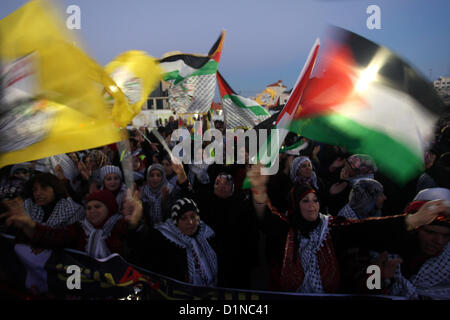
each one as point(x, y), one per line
point(17, 217)
point(132, 209)
point(59, 172)
point(427, 213)
point(85, 173)
point(178, 168)
point(387, 266)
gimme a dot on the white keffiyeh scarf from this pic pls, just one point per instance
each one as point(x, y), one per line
point(197, 249)
point(96, 238)
point(65, 212)
point(347, 212)
point(308, 250)
point(432, 280)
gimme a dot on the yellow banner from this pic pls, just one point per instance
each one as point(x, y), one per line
point(52, 100)
point(137, 75)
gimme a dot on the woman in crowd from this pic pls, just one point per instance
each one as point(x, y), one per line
point(49, 203)
point(15, 184)
point(99, 234)
point(171, 175)
point(356, 167)
point(438, 175)
point(112, 180)
point(158, 195)
point(90, 168)
point(313, 241)
point(302, 172)
point(231, 215)
point(181, 248)
point(422, 269)
point(365, 200)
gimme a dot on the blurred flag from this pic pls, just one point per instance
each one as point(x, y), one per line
point(239, 112)
point(51, 99)
point(192, 79)
point(370, 101)
point(266, 98)
point(137, 75)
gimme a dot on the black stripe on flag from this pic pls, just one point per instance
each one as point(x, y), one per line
point(191, 60)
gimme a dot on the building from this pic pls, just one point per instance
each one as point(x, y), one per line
point(273, 94)
point(159, 98)
point(442, 86)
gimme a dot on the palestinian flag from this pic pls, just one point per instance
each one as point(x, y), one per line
point(192, 79)
point(239, 112)
point(370, 101)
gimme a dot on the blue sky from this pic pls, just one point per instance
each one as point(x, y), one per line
point(267, 40)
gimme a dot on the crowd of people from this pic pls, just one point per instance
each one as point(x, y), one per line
point(313, 227)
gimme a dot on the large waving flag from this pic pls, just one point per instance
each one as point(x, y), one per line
point(192, 79)
point(372, 102)
point(239, 112)
point(137, 75)
point(51, 99)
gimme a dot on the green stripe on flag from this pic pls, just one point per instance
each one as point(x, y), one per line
point(209, 68)
point(257, 110)
point(291, 147)
point(390, 155)
point(173, 75)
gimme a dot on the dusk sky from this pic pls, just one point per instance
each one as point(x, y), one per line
point(266, 40)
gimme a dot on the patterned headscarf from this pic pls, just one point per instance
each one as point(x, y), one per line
point(198, 252)
point(363, 198)
point(65, 212)
point(362, 164)
point(181, 206)
point(153, 196)
point(228, 178)
point(312, 181)
point(104, 171)
point(99, 158)
point(432, 279)
point(363, 167)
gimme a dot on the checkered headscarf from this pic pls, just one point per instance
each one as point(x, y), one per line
point(104, 171)
point(181, 206)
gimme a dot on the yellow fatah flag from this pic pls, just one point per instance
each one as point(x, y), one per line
point(52, 92)
point(137, 75)
point(266, 97)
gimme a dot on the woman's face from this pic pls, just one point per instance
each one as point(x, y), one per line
point(43, 195)
point(433, 239)
point(223, 188)
point(167, 167)
point(188, 223)
point(136, 164)
point(155, 179)
point(305, 170)
point(112, 182)
point(96, 213)
point(309, 207)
